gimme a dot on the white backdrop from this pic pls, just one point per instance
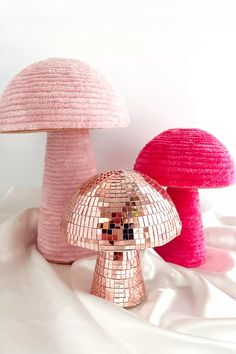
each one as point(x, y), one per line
point(174, 62)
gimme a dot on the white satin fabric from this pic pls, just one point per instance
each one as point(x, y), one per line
point(46, 308)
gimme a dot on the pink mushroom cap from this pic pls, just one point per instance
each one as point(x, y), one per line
point(60, 94)
point(187, 158)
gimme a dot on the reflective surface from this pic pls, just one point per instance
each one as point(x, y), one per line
point(118, 278)
point(118, 213)
point(120, 210)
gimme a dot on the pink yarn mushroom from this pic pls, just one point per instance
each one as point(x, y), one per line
point(65, 98)
point(185, 160)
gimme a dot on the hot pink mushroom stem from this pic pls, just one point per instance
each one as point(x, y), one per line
point(65, 98)
point(190, 251)
point(185, 160)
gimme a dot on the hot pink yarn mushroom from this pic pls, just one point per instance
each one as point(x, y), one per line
point(65, 98)
point(185, 160)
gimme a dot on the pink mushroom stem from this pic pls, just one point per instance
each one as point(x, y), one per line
point(189, 248)
point(69, 162)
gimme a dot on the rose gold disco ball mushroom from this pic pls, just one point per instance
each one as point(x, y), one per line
point(65, 98)
point(118, 213)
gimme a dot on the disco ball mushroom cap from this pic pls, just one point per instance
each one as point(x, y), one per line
point(120, 211)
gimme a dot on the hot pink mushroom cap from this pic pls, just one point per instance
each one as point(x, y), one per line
point(65, 98)
point(185, 160)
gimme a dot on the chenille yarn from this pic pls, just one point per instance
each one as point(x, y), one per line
point(66, 98)
point(185, 160)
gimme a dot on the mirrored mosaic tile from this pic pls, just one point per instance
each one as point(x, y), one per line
point(118, 213)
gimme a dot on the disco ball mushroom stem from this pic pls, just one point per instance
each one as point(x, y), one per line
point(69, 161)
point(118, 275)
